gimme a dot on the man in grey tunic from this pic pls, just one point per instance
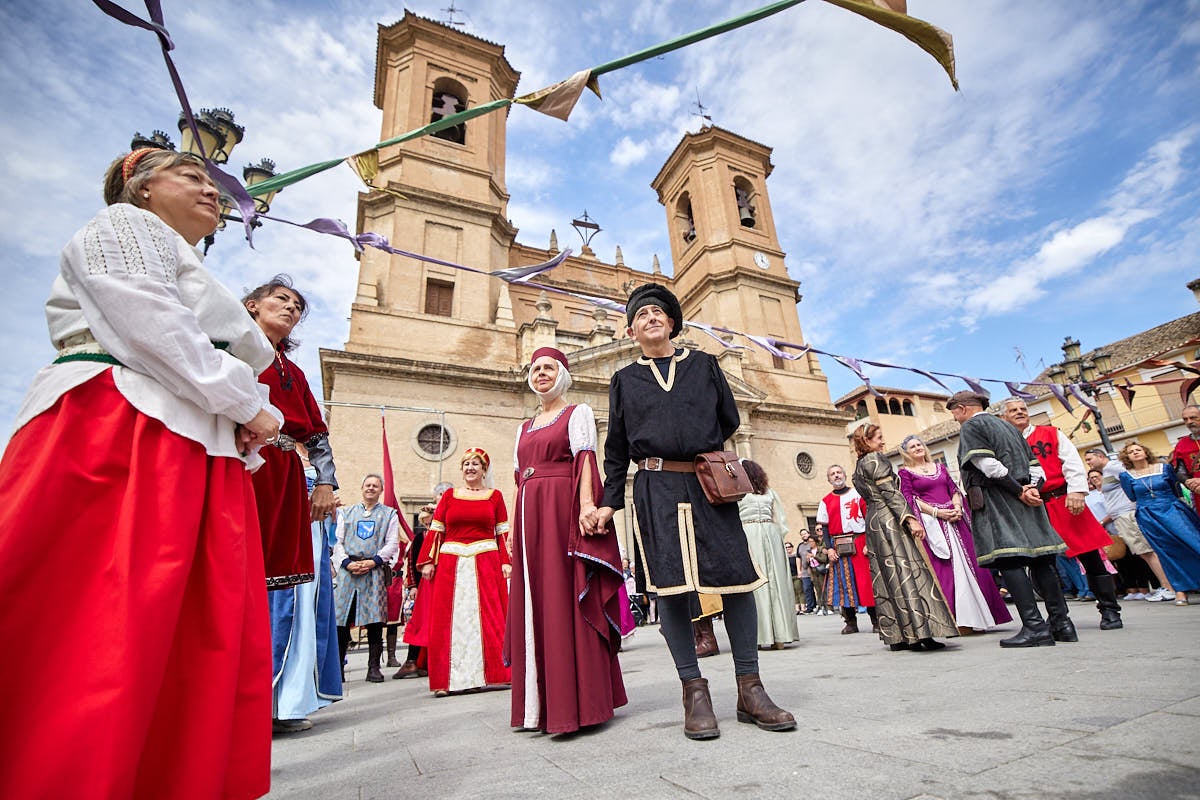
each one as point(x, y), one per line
point(1010, 527)
point(663, 410)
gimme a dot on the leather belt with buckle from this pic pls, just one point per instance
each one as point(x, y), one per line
point(656, 464)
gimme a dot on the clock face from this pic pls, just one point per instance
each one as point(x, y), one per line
point(761, 260)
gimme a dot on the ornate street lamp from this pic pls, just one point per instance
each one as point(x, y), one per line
point(219, 134)
point(1075, 369)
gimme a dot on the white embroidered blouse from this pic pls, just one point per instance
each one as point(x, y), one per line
point(131, 287)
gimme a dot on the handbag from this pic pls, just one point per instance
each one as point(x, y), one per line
point(1117, 550)
point(722, 477)
point(843, 544)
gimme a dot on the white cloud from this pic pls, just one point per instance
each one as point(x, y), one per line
point(628, 152)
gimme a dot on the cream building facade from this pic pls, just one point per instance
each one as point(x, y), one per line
point(448, 349)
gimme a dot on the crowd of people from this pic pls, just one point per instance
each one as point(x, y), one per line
point(232, 605)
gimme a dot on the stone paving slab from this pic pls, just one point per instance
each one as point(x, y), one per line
point(1115, 717)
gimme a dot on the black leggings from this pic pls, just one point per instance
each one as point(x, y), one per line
point(741, 624)
point(374, 630)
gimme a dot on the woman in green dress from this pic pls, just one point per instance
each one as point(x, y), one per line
point(765, 525)
point(909, 602)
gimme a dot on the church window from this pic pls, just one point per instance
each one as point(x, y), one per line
point(684, 221)
point(860, 410)
point(894, 407)
point(804, 463)
point(434, 440)
point(881, 405)
point(908, 408)
point(743, 193)
point(439, 298)
point(449, 98)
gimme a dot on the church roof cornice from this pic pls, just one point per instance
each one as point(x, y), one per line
point(704, 137)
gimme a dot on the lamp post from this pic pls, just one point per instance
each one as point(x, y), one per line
point(1080, 371)
point(218, 133)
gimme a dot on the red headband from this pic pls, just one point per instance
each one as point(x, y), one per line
point(131, 161)
point(557, 355)
point(478, 452)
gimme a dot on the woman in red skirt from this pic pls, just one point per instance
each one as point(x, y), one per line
point(465, 555)
point(132, 450)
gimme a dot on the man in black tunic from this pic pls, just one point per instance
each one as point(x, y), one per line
point(1011, 529)
point(663, 410)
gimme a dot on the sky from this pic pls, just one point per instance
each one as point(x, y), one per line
point(1056, 195)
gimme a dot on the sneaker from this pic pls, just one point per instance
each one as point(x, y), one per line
point(1134, 596)
point(1158, 595)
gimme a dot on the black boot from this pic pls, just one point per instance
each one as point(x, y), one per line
point(374, 653)
point(851, 617)
point(874, 619)
point(1045, 579)
point(1106, 601)
point(393, 632)
point(1034, 630)
point(343, 635)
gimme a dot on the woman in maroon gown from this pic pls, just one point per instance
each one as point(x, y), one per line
point(933, 495)
point(285, 509)
point(564, 611)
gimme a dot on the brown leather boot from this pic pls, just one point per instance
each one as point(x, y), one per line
point(392, 636)
point(755, 706)
point(851, 617)
point(699, 721)
point(706, 640)
point(407, 670)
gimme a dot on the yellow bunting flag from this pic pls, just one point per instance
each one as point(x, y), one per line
point(366, 166)
point(559, 100)
point(893, 14)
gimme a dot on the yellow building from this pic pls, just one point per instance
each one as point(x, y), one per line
point(452, 346)
point(898, 412)
point(1153, 416)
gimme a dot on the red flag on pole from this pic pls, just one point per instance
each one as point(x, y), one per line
point(389, 482)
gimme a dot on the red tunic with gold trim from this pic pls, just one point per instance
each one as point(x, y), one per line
point(1081, 532)
point(1185, 458)
point(279, 486)
point(468, 598)
point(849, 581)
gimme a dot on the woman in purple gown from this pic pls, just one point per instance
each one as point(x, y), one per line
point(566, 593)
point(934, 496)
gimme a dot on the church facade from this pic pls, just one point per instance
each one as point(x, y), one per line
point(445, 351)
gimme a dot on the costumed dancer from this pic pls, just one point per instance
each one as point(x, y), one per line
point(910, 605)
point(416, 629)
point(285, 510)
point(368, 539)
point(1170, 525)
point(1063, 493)
point(765, 524)
point(843, 515)
point(567, 591)
point(287, 515)
point(132, 449)
point(1011, 529)
point(969, 589)
point(465, 555)
point(304, 640)
point(1185, 456)
point(663, 410)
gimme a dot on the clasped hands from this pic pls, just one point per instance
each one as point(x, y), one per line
point(594, 521)
point(1031, 497)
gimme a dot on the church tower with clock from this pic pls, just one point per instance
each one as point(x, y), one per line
point(444, 352)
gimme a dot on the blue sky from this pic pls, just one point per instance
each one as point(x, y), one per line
point(1055, 195)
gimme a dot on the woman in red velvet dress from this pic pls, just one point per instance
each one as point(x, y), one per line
point(285, 509)
point(130, 459)
point(465, 555)
point(563, 616)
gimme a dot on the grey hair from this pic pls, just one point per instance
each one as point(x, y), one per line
point(119, 190)
point(1012, 399)
point(910, 438)
point(832, 467)
point(374, 475)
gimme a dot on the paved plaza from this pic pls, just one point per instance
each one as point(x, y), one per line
point(1114, 717)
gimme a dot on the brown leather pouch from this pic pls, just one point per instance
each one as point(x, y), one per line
point(975, 498)
point(722, 477)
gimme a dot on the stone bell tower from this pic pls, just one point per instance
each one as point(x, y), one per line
point(441, 195)
point(729, 268)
